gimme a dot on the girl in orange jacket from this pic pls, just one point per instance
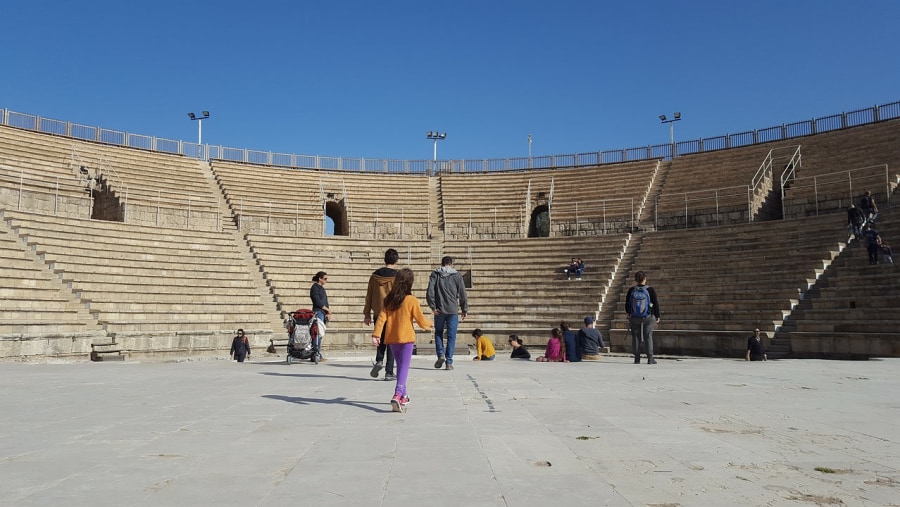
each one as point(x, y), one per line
point(400, 309)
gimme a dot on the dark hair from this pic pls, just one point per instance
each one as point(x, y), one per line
point(515, 338)
point(446, 260)
point(402, 287)
point(240, 332)
point(391, 256)
point(564, 326)
point(477, 333)
point(640, 276)
point(555, 333)
point(319, 275)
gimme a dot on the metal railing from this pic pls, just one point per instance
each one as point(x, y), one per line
point(703, 204)
point(833, 192)
point(426, 167)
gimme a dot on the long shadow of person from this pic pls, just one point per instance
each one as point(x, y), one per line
point(334, 401)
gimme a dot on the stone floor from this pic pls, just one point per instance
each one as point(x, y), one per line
point(687, 431)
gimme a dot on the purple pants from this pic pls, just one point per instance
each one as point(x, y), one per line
point(403, 356)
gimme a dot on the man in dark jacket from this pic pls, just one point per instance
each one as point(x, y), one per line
point(240, 347)
point(446, 297)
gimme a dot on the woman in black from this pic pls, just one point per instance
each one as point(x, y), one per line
point(518, 348)
point(319, 296)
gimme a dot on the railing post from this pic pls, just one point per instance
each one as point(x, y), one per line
point(816, 193)
point(717, 206)
point(750, 205)
point(876, 114)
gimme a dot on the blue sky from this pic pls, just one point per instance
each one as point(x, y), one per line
point(368, 79)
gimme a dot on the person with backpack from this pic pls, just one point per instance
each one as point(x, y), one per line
point(643, 315)
point(240, 346)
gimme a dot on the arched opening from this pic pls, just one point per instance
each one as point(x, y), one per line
point(539, 226)
point(337, 215)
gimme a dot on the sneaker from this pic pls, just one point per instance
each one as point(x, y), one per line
point(439, 362)
point(448, 367)
point(396, 404)
point(652, 361)
point(389, 377)
point(404, 401)
point(376, 369)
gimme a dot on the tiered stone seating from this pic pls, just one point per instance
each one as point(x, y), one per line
point(291, 201)
point(839, 165)
point(154, 188)
point(518, 286)
point(586, 200)
point(706, 188)
point(491, 205)
point(600, 200)
point(716, 286)
point(290, 263)
point(852, 310)
point(32, 179)
point(150, 286)
point(35, 307)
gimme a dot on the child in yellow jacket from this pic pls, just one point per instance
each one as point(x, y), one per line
point(484, 349)
point(400, 309)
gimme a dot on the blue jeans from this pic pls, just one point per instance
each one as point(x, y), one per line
point(452, 322)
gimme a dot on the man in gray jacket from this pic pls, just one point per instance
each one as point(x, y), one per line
point(446, 296)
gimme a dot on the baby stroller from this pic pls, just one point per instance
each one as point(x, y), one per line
point(305, 333)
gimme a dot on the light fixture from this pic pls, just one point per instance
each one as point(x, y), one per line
point(435, 136)
point(199, 119)
point(677, 117)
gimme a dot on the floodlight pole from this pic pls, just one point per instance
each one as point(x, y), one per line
point(435, 136)
point(671, 123)
point(199, 119)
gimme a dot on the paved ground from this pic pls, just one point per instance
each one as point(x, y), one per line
point(705, 432)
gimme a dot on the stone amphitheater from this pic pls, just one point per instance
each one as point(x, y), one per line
point(112, 250)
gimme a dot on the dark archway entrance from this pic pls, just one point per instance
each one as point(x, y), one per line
point(539, 226)
point(338, 215)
